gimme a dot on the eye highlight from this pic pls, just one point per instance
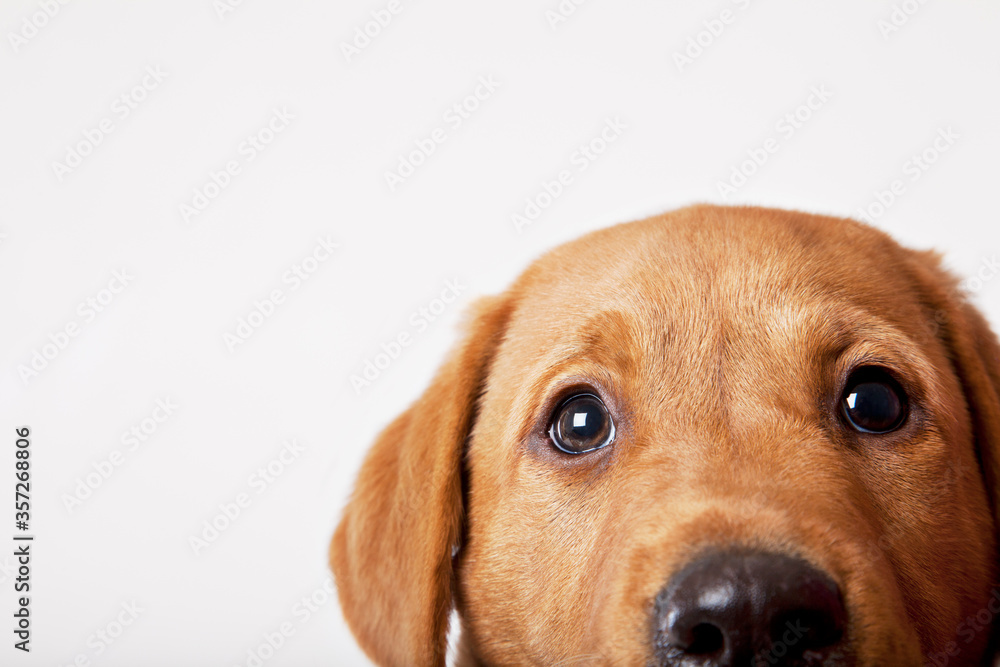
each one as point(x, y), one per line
point(581, 424)
point(873, 402)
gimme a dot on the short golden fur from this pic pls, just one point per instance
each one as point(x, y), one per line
point(719, 336)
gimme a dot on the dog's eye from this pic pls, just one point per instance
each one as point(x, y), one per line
point(873, 402)
point(582, 424)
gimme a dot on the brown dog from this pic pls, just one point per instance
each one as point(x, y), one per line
point(721, 436)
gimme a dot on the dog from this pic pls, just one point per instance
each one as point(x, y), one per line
point(718, 436)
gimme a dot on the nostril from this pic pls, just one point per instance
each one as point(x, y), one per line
point(809, 614)
point(706, 640)
point(808, 629)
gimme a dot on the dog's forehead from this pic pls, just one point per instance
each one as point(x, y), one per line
point(747, 273)
point(696, 250)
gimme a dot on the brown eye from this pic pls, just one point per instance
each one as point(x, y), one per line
point(873, 402)
point(581, 424)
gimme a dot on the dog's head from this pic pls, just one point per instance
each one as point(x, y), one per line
point(714, 437)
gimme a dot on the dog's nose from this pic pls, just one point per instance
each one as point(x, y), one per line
point(748, 608)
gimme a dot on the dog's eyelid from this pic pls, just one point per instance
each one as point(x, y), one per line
point(909, 369)
point(566, 382)
point(892, 350)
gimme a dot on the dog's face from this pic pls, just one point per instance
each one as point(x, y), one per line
point(712, 437)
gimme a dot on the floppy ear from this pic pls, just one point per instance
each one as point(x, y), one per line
point(975, 355)
point(392, 552)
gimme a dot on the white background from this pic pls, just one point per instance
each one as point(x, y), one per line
point(162, 336)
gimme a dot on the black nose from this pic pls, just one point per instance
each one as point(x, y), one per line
point(748, 608)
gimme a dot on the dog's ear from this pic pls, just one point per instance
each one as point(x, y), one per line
point(975, 355)
point(392, 552)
